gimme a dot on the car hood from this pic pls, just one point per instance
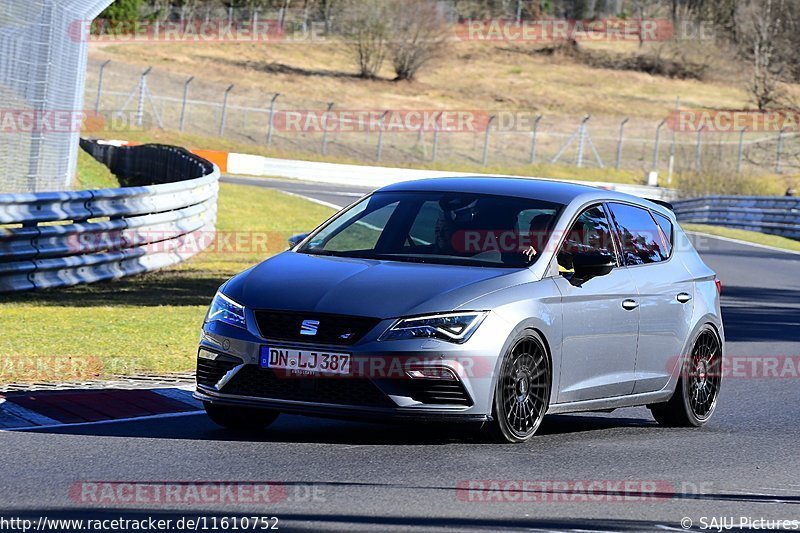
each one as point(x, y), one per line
point(383, 289)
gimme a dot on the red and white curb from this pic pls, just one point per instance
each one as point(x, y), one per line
point(24, 410)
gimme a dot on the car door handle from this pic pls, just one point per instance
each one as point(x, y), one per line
point(630, 305)
point(683, 297)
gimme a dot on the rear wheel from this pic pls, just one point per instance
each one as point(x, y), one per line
point(240, 418)
point(696, 393)
point(522, 394)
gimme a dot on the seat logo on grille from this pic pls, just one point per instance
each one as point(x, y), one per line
point(309, 327)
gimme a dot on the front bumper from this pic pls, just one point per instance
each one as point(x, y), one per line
point(229, 373)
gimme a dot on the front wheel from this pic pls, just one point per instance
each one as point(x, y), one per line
point(696, 393)
point(240, 418)
point(522, 394)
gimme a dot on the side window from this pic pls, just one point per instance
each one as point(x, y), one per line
point(642, 241)
point(666, 227)
point(590, 233)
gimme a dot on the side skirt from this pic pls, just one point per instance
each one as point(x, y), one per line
point(615, 402)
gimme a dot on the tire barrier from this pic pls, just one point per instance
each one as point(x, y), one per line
point(165, 213)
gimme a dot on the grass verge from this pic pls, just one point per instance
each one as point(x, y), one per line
point(775, 241)
point(146, 323)
point(92, 174)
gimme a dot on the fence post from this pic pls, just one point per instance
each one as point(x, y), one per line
point(325, 129)
point(698, 149)
point(100, 85)
point(657, 143)
point(779, 151)
point(620, 141)
point(486, 140)
point(582, 140)
point(674, 143)
point(435, 136)
point(271, 123)
point(379, 151)
point(741, 151)
point(185, 98)
point(224, 110)
point(534, 133)
point(142, 91)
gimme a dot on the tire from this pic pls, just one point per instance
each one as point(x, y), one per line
point(522, 392)
point(240, 418)
point(697, 390)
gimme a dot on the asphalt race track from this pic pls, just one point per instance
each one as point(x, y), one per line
point(352, 476)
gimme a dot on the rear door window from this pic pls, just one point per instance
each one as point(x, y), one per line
point(642, 241)
point(666, 227)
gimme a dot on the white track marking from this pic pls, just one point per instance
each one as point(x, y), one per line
point(744, 243)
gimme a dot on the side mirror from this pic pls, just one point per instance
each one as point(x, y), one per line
point(591, 265)
point(294, 240)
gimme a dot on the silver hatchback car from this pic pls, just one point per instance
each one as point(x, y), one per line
point(486, 300)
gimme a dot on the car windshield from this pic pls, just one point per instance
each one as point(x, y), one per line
point(439, 227)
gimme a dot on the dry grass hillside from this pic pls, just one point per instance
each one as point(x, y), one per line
point(475, 75)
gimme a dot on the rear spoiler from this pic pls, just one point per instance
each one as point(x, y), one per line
point(662, 203)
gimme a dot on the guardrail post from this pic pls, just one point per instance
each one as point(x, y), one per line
point(224, 116)
point(379, 150)
point(698, 149)
point(779, 151)
point(435, 136)
point(582, 140)
point(620, 141)
point(185, 99)
point(325, 129)
point(486, 140)
point(100, 85)
point(741, 151)
point(534, 134)
point(142, 93)
point(271, 118)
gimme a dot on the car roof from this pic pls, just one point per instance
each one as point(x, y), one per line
point(560, 192)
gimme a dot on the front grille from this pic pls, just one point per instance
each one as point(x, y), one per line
point(210, 371)
point(429, 391)
point(338, 330)
point(260, 382)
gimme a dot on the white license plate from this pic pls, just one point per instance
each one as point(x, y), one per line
point(305, 361)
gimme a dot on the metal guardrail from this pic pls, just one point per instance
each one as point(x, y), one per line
point(165, 214)
point(766, 214)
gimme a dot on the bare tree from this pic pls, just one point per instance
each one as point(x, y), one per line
point(419, 34)
point(759, 25)
point(364, 28)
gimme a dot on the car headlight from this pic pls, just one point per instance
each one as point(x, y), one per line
point(226, 310)
point(450, 327)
